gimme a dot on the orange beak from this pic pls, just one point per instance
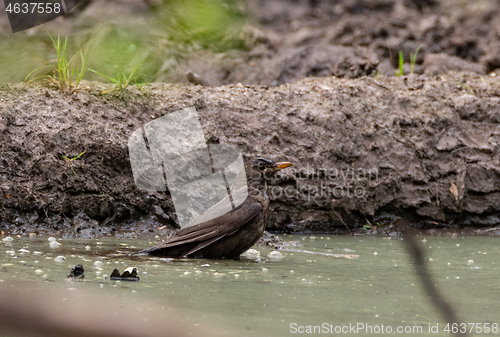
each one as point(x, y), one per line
point(282, 165)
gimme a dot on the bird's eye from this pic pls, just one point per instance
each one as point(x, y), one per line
point(262, 167)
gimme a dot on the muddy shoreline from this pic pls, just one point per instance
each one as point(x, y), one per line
point(365, 151)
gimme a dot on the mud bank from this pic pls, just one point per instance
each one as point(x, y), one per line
point(365, 150)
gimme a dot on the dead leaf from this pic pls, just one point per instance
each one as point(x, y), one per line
point(454, 190)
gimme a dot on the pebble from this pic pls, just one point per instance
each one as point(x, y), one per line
point(8, 239)
point(10, 252)
point(22, 250)
point(52, 239)
point(87, 247)
point(470, 261)
point(39, 272)
point(60, 258)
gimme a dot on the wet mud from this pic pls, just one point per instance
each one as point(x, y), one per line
point(364, 151)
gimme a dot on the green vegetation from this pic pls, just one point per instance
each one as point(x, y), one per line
point(69, 162)
point(413, 60)
point(400, 71)
point(65, 74)
point(464, 86)
point(212, 24)
point(121, 81)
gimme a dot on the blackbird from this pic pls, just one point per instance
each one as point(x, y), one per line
point(230, 234)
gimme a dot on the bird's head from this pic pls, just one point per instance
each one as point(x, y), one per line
point(262, 169)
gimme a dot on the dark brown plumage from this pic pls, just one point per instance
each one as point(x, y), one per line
point(228, 235)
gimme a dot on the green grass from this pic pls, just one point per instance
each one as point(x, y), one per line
point(465, 86)
point(121, 81)
point(413, 60)
point(65, 74)
point(69, 162)
point(400, 71)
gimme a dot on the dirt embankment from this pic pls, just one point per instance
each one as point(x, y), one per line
point(364, 150)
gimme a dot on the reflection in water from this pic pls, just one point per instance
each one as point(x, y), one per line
point(248, 298)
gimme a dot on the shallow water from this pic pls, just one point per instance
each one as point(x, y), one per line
point(281, 297)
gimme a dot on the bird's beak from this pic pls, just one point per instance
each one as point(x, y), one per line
point(282, 165)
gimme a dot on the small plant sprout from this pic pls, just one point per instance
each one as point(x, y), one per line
point(400, 71)
point(121, 81)
point(69, 162)
point(413, 58)
point(64, 74)
point(465, 86)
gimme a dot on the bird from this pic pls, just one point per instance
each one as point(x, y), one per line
point(231, 234)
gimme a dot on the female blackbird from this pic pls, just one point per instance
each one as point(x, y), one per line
point(231, 234)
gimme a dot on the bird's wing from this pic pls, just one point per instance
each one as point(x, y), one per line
point(213, 230)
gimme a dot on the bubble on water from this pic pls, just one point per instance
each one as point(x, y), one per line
point(264, 270)
point(187, 272)
point(275, 255)
point(87, 247)
point(10, 252)
point(98, 264)
point(251, 254)
point(52, 239)
point(8, 239)
point(54, 244)
point(470, 261)
point(60, 258)
point(23, 251)
point(312, 238)
point(236, 275)
point(375, 253)
point(39, 272)
point(37, 252)
point(198, 271)
point(291, 271)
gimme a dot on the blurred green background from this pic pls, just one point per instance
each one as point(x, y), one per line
point(150, 37)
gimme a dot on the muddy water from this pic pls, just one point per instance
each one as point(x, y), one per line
point(280, 297)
